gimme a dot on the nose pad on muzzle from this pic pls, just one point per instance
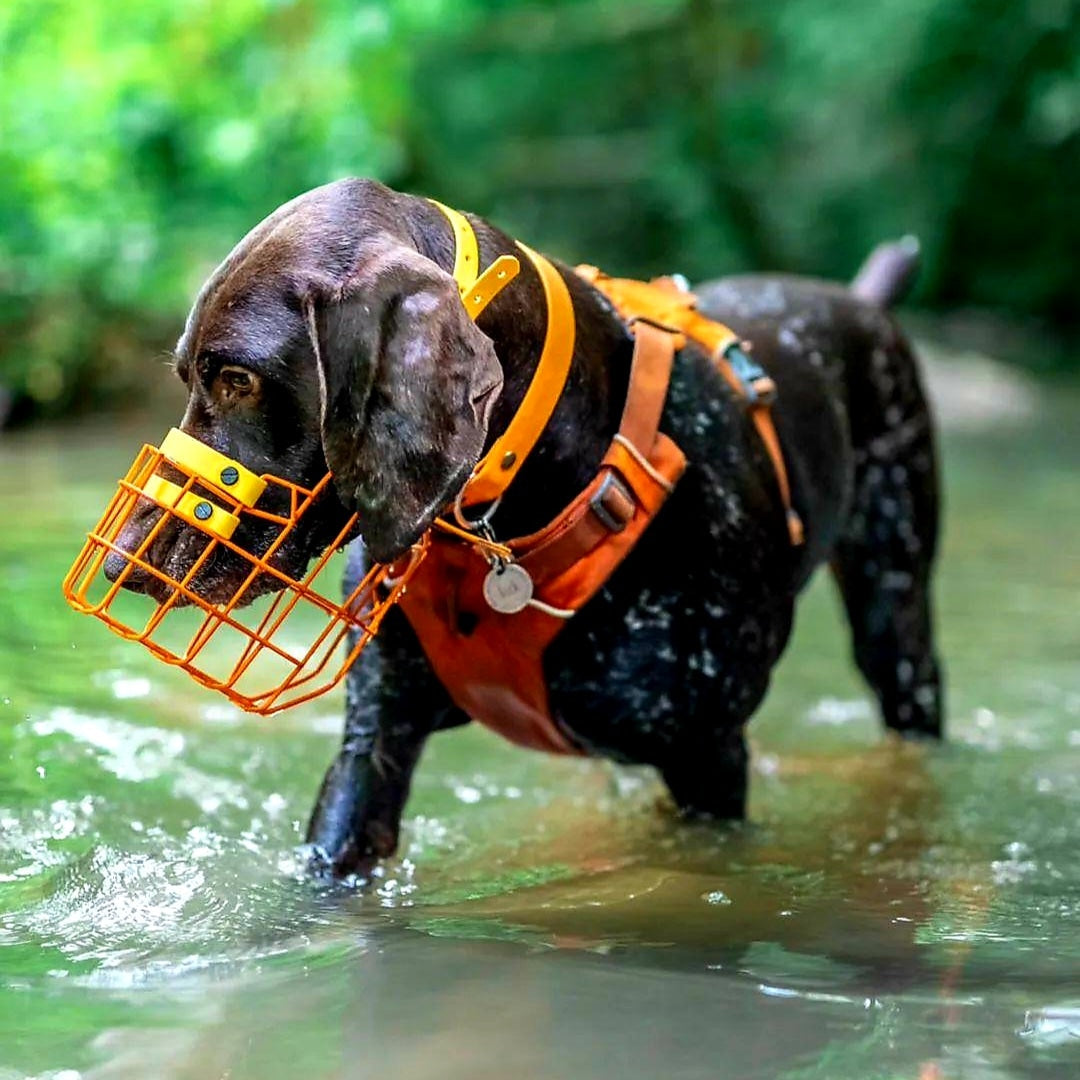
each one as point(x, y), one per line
point(264, 656)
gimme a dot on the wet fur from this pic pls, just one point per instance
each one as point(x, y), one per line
point(669, 661)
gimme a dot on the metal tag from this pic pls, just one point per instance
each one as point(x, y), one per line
point(508, 588)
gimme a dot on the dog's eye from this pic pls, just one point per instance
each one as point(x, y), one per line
point(238, 382)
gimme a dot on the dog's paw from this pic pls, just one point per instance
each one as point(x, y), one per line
point(345, 866)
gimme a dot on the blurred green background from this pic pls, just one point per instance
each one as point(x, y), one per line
point(139, 139)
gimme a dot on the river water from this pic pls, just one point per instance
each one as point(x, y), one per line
point(889, 911)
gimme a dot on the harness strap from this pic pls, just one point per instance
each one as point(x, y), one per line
point(490, 660)
point(650, 374)
point(665, 303)
point(607, 504)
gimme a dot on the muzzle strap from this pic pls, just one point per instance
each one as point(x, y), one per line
point(498, 467)
point(212, 467)
point(477, 290)
point(194, 509)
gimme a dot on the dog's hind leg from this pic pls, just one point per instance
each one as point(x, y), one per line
point(884, 559)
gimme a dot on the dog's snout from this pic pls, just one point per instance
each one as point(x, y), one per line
point(116, 562)
point(127, 543)
point(114, 565)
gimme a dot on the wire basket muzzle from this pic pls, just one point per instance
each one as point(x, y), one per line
point(237, 621)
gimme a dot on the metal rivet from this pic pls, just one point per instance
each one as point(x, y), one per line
point(508, 459)
point(203, 511)
point(229, 475)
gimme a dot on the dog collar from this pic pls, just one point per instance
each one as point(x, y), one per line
point(497, 468)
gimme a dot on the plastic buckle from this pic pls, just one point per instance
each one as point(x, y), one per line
point(596, 504)
point(758, 387)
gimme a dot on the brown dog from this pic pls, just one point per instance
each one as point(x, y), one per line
point(333, 337)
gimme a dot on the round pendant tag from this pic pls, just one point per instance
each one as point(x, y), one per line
point(508, 589)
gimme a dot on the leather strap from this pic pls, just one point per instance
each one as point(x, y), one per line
point(650, 373)
point(607, 504)
point(497, 468)
point(663, 301)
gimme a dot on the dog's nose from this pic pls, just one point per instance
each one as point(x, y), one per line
point(115, 564)
point(130, 539)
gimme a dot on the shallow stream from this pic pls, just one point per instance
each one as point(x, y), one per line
point(889, 911)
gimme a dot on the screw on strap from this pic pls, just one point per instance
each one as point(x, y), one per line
point(192, 508)
point(198, 459)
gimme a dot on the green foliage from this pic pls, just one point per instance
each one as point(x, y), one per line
point(140, 139)
point(706, 135)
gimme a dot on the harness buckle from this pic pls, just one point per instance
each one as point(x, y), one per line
point(613, 503)
point(757, 386)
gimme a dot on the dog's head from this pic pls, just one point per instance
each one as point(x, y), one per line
point(327, 342)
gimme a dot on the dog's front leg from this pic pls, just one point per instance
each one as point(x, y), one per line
point(358, 812)
point(393, 704)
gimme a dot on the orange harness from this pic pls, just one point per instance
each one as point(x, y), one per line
point(486, 612)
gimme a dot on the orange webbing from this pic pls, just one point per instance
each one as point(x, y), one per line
point(496, 470)
point(663, 302)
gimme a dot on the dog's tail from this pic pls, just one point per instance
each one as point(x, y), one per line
point(888, 273)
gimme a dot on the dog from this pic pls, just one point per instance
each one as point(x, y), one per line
point(333, 337)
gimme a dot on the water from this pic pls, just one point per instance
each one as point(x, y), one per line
point(890, 911)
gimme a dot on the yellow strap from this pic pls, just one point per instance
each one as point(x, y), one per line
point(498, 467)
point(194, 509)
point(489, 284)
point(477, 290)
point(466, 251)
point(207, 464)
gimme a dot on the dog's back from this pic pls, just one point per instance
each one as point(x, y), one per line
point(814, 332)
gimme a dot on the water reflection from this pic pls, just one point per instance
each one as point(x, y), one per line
point(891, 910)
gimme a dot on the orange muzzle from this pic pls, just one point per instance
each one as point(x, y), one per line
point(282, 649)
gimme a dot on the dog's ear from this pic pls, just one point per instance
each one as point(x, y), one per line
point(407, 384)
